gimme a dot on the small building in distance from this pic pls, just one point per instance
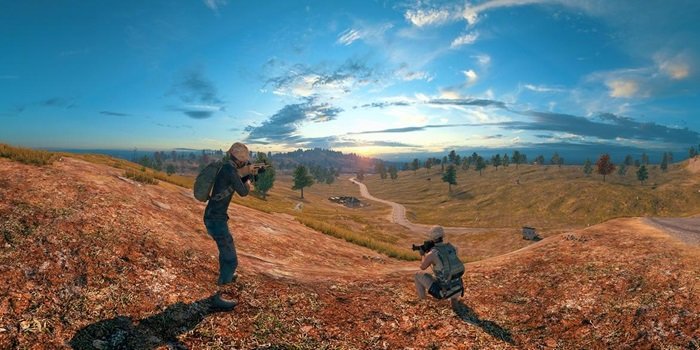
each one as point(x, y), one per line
point(530, 234)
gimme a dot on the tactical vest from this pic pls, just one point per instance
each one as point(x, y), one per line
point(449, 275)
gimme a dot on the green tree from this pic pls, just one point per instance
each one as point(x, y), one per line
point(452, 156)
point(587, 167)
point(555, 159)
point(265, 181)
point(170, 169)
point(642, 174)
point(496, 161)
point(330, 178)
point(692, 152)
point(428, 164)
point(539, 160)
point(622, 170)
point(664, 162)
point(380, 169)
point(604, 165)
point(517, 158)
point(360, 175)
point(415, 165)
point(302, 179)
point(393, 173)
point(465, 163)
point(480, 164)
point(450, 176)
point(629, 160)
point(506, 160)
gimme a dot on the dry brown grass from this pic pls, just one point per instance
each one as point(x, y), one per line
point(546, 197)
point(26, 155)
point(179, 180)
point(141, 177)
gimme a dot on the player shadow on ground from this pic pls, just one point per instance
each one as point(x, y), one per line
point(160, 329)
point(466, 314)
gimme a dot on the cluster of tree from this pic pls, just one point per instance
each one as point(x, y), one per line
point(605, 166)
point(324, 175)
point(380, 168)
point(321, 157)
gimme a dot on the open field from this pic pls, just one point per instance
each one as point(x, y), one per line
point(546, 197)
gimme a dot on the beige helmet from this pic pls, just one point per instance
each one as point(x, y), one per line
point(240, 152)
point(436, 232)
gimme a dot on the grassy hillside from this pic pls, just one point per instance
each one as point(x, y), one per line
point(542, 196)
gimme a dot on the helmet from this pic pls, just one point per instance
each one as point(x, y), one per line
point(436, 233)
point(240, 152)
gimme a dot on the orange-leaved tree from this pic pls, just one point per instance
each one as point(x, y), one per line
point(605, 165)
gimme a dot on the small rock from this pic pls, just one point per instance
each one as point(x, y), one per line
point(161, 205)
point(551, 343)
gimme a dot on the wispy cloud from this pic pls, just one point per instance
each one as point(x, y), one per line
point(9, 77)
point(542, 88)
point(475, 102)
point(465, 39)
point(409, 129)
point(471, 76)
point(171, 126)
point(282, 127)
point(198, 111)
point(371, 33)
point(198, 94)
point(610, 127)
point(304, 81)
point(625, 88)
point(345, 142)
point(421, 17)
point(58, 102)
point(115, 114)
point(214, 5)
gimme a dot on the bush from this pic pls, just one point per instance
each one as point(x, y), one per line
point(26, 155)
point(140, 177)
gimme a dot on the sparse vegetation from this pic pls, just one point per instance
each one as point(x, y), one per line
point(359, 239)
point(27, 155)
point(141, 177)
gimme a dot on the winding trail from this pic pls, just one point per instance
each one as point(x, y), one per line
point(398, 216)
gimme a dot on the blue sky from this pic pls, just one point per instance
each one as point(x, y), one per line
point(373, 77)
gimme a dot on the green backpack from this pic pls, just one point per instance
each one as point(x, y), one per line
point(205, 180)
point(450, 276)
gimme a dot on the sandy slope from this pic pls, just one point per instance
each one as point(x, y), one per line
point(89, 260)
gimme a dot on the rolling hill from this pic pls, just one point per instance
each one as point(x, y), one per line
point(90, 260)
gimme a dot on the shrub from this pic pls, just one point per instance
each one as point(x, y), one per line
point(140, 177)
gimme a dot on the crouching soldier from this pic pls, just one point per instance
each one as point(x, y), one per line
point(446, 283)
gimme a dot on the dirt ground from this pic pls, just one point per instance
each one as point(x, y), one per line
point(91, 261)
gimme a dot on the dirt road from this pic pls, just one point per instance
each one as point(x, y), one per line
point(686, 230)
point(398, 216)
